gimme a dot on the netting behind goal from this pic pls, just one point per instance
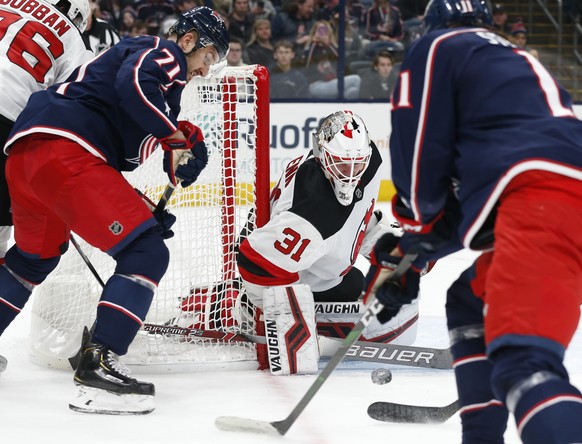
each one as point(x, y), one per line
point(200, 289)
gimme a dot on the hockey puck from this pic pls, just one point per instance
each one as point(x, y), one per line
point(381, 376)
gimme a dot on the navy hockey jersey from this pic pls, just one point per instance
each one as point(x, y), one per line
point(471, 112)
point(116, 105)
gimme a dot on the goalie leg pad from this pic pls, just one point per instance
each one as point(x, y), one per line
point(290, 329)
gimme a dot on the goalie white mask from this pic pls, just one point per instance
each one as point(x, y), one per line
point(342, 147)
point(77, 10)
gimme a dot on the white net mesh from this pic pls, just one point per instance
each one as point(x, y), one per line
point(200, 289)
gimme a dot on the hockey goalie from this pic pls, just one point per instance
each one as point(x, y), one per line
point(299, 267)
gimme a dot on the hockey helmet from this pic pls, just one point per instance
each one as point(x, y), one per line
point(343, 150)
point(441, 14)
point(209, 26)
point(77, 10)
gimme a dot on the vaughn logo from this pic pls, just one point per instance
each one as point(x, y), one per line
point(273, 346)
point(338, 307)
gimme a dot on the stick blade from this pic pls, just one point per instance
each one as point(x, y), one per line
point(411, 414)
point(237, 424)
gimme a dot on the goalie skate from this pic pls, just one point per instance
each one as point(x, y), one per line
point(104, 387)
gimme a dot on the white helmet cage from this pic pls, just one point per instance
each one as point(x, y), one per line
point(342, 148)
point(78, 11)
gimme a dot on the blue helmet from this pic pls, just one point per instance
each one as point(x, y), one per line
point(440, 14)
point(209, 26)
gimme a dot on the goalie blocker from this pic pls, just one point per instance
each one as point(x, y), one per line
point(289, 318)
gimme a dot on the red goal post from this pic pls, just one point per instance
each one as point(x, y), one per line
point(201, 287)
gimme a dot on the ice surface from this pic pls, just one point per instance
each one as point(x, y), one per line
point(34, 400)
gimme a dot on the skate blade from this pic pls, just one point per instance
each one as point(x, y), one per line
point(97, 401)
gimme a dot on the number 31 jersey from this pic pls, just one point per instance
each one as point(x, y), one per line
point(310, 238)
point(39, 46)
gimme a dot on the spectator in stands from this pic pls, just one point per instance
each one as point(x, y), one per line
point(519, 38)
point(138, 28)
point(260, 47)
point(383, 28)
point(500, 19)
point(128, 17)
point(327, 10)
point(153, 13)
point(234, 57)
point(294, 22)
point(354, 44)
point(240, 20)
point(186, 5)
point(321, 64)
point(286, 82)
point(111, 11)
point(262, 9)
point(358, 14)
point(99, 35)
point(376, 83)
point(411, 13)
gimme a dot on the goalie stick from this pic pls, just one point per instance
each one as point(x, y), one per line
point(166, 195)
point(411, 414)
point(238, 424)
point(376, 352)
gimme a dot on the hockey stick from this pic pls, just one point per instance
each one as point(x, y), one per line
point(376, 352)
point(411, 414)
point(237, 424)
point(408, 355)
point(197, 333)
point(166, 195)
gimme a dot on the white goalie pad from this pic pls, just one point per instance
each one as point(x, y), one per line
point(378, 226)
point(336, 319)
point(290, 329)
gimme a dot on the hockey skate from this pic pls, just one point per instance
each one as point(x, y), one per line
point(103, 385)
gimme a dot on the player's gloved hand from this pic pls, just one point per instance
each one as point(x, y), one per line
point(164, 218)
point(391, 294)
point(437, 238)
point(185, 158)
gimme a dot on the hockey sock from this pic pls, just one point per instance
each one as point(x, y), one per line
point(121, 311)
point(483, 417)
point(536, 389)
point(13, 296)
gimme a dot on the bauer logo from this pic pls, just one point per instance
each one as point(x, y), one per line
point(380, 354)
point(116, 228)
point(273, 346)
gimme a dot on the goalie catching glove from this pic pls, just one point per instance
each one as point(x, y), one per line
point(164, 218)
point(184, 159)
point(393, 295)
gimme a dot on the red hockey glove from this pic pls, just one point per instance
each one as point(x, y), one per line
point(164, 218)
point(185, 158)
point(392, 295)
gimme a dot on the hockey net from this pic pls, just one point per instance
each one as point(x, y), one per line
point(200, 289)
